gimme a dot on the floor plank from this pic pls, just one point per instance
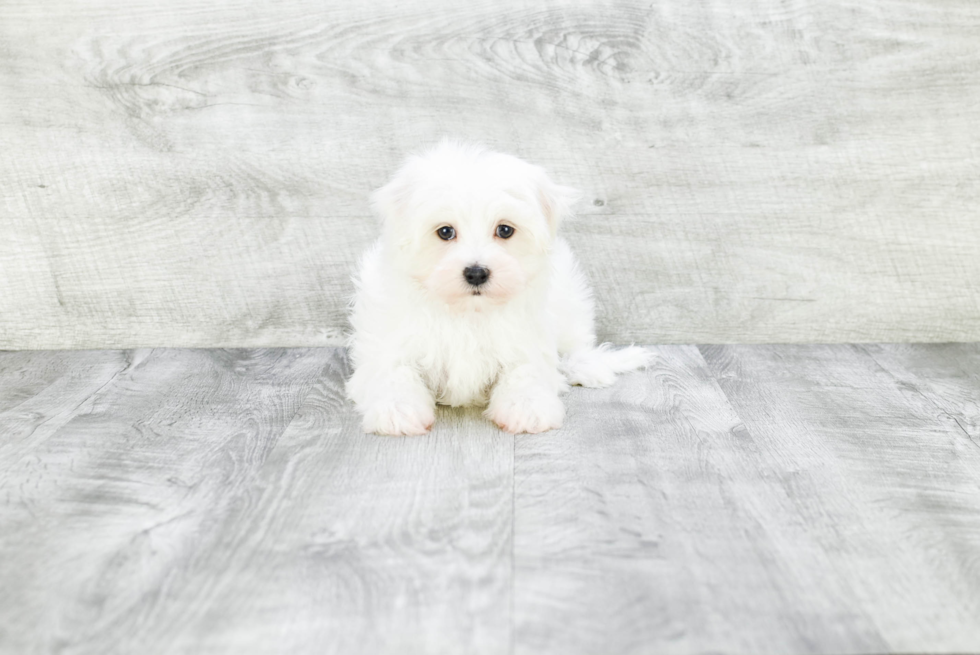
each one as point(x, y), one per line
point(659, 523)
point(730, 499)
point(101, 516)
point(947, 374)
point(41, 391)
point(352, 543)
point(177, 513)
point(884, 488)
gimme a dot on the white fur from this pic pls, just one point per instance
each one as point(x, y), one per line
point(421, 334)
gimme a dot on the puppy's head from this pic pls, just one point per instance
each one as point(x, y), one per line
point(472, 226)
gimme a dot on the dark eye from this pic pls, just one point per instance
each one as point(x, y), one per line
point(446, 233)
point(505, 231)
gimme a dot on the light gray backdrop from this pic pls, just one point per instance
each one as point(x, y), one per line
point(196, 174)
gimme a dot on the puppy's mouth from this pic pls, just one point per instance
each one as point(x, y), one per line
point(476, 293)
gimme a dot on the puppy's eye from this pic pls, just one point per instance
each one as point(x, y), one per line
point(505, 231)
point(446, 233)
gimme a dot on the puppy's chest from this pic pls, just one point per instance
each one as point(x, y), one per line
point(459, 385)
point(460, 367)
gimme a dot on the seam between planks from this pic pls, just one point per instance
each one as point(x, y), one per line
point(513, 540)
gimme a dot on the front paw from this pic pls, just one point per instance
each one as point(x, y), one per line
point(529, 413)
point(399, 417)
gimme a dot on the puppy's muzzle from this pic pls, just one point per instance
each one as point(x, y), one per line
point(476, 275)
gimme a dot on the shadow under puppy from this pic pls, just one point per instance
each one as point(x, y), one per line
point(470, 298)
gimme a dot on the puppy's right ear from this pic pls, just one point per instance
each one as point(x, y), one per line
point(392, 203)
point(388, 202)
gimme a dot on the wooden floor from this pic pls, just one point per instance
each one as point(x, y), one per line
point(731, 499)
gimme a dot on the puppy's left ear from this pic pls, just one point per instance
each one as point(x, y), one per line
point(556, 200)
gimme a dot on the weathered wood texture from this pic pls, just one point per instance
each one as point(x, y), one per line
point(212, 502)
point(873, 486)
point(196, 175)
point(750, 499)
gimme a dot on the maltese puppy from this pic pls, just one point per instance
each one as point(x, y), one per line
point(469, 298)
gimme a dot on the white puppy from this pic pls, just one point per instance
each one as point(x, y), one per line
point(469, 298)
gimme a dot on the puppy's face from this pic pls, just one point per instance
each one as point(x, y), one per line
point(472, 227)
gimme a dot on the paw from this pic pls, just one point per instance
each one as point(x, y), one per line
point(526, 413)
point(399, 417)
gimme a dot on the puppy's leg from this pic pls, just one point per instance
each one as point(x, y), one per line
point(394, 401)
point(525, 399)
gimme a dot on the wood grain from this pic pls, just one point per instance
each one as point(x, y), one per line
point(42, 391)
point(946, 375)
point(661, 524)
point(883, 486)
point(101, 516)
point(197, 176)
point(730, 499)
point(214, 502)
point(352, 543)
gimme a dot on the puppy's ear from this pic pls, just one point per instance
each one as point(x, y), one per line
point(556, 200)
point(394, 201)
point(389, 201)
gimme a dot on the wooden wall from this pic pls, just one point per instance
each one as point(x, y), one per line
point(195, 174)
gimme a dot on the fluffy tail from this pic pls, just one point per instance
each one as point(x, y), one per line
point(597, 367)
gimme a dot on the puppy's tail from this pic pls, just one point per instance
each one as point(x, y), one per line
point(597, 367)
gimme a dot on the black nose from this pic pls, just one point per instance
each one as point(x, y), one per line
point(476, 275)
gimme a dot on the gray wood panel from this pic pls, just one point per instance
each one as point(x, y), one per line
point(883, 490)
point(189, 175)
point(947, 375)
point(730, 499)
point(351, 543)
point(225, 501)
point(663, 523)
point(651, 527)
point(103, 515)
point(42, 391)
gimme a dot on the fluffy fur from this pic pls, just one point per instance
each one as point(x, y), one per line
point(423, 335)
